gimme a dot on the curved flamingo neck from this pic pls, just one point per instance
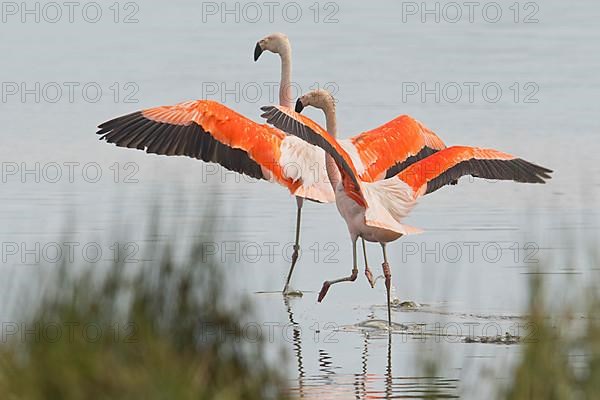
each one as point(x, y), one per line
point(285, 86)
point(331, 121)
point(333, 173)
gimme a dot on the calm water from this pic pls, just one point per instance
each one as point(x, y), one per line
point(468, 272)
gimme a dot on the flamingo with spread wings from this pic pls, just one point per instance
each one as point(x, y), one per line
point(209, 131)
point(374, 210)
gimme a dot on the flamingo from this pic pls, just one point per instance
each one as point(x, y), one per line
point(415, 140)
point(211, 132)
point(278, 43)
point(373, 210)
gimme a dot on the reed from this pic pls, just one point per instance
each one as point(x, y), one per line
point(125, 335)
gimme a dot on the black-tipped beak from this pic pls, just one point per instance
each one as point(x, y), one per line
point(299, 106)
point(257, 51)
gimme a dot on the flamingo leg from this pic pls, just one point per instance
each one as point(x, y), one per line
point(350, 278)
point(299, 202)
point(388, 282)
point(368, 272)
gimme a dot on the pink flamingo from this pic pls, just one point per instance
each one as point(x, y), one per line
point(373, 210)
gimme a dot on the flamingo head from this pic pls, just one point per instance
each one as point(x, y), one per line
point(275, 43)
point(318, 98)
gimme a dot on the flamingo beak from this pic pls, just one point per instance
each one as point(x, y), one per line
point(257, 51)
point(299, 106)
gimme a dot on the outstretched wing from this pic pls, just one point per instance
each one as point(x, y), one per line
point(446, 166)
point(392, 147)
point(209, 131)
point(309, 131)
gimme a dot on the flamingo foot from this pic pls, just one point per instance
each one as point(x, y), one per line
point(324, 289)
point(292, 293)
point(327, 284)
